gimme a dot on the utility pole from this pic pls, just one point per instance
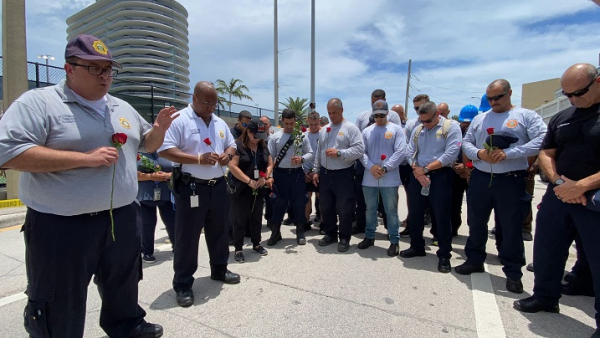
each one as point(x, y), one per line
point(407, 88)
point(312, 52)
point(276, 70)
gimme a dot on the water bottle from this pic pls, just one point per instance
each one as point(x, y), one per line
point(425, 189)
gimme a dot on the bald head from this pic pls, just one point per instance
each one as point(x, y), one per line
point(581, 82)
point(204, 87)
point(400, 111)
point(444, 109)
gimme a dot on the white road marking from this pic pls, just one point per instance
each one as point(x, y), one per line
point(12, 299)
point(487, 315)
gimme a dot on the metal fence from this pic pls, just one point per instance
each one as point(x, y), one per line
point(143, 97)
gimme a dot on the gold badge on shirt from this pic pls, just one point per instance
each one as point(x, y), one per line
point(388, 135)
point(341, 133)
point(221, 134)
point(512, 123)
point(123, 121)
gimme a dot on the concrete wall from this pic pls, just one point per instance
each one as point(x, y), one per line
point(538, 93)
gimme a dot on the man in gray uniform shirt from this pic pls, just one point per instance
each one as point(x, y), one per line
point(60, 137)
point(340, 144)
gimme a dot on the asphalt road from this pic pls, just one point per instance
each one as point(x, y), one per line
point(312, 291)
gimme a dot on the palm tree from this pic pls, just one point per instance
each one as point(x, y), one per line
point(234, 88)
point(298, 105)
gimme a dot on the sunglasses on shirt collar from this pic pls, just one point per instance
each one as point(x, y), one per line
point(580, 92)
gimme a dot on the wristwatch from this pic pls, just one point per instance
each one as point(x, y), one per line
point(384, 169)
point(559, 181)
point(425, 170)
point(230, 156)
point(339, 153)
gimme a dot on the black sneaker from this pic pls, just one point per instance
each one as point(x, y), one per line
point(288, 221)
point(239, 257)
point(344, 245)
point(393, 250)
point(405, 233)
point(148, 259)
point(367, 242)
point(326, 240)
point(259, 249)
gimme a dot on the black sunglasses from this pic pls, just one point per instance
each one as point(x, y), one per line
point(580, 92)
point(497, 97)
point(378, 116)
point(417, 109)
point(427, 121)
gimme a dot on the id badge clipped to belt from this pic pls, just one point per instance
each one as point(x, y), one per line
point(194, 200)
point(156, 196)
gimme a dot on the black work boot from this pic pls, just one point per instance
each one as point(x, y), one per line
point(275, 234)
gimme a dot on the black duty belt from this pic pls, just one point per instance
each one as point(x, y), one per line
point(288, 170)
point(210, 183)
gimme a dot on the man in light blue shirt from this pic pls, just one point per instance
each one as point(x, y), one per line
point(432, 149)
point(385, 149)
point(499, 142)
point(340, 144)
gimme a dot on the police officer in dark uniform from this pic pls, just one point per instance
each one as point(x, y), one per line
point(570, 158)
point(203, 144)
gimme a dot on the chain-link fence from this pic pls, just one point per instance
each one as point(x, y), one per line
point(147, 99)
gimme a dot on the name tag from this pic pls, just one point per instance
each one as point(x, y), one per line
point(194, 202)
point(157, 194)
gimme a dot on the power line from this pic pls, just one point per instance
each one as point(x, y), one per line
point(454, 90)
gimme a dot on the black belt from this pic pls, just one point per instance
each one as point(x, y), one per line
point(350, 167)
point(210, 183)
point(440, 170)
point(288, 170)
point(515, 173)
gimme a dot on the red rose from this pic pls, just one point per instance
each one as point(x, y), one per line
point(138, 157)
point(469, 165)
point(262, 174)
point(119, 139)
point(328, 129)
point(490, 131)
point(304, 129)
point(207, 141)
point(383, 157)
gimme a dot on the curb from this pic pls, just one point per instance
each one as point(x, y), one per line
point(12, 216)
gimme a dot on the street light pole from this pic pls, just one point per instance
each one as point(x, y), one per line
point(47, 58)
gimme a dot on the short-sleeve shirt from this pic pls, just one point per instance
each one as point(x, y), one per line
point(575, 134)
point(52, 117)
point(250, 160)
point(189, 133)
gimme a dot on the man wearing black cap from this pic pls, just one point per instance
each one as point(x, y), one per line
point(243, 119)
point(62, 138)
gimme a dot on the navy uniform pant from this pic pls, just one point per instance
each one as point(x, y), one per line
point(507, 197)
point(439, 198)
point(336, 189)
point(290, 189)
point(212, 216)
point(459, 187)
point(557, 225)
point(148, 220)
point(62, 253)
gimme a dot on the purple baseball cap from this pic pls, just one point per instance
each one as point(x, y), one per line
point(87, 47)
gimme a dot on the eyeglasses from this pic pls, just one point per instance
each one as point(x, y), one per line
point(209, 104)
point(95, 70)
point(417, 109)
point(378, 116)
point(497, 97)
point(580, 92)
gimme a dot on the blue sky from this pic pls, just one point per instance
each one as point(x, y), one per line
point(457, 47)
